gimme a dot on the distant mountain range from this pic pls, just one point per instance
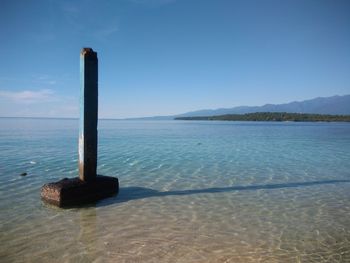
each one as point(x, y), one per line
point(335, 105)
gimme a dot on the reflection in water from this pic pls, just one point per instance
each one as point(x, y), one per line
point(88, 234)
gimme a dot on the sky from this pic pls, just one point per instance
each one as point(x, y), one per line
point(164, 57)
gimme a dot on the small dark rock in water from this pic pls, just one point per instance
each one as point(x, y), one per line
point(23, 174)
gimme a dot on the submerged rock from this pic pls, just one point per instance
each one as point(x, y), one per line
point(73, 192)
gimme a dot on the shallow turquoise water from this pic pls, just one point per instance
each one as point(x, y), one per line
point(190, 192)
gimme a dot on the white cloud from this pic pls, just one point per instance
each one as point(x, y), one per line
point(44, 79)
point(88, 26)
point(44, 36)
point(153, 2)
point(69, 7)
point(104, 33)
point(37, 103)
point(28, 96)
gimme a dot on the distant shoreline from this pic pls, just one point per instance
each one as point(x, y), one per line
point(271, 116)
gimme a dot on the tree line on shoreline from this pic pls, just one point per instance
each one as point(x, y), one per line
point(272, 116)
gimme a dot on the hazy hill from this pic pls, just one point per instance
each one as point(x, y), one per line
point(337, 105)
point(272, 116)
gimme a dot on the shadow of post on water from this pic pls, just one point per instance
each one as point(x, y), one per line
point(133, 193)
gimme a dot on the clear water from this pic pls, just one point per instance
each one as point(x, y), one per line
point(190, 192)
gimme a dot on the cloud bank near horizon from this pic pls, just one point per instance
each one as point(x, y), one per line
point(37, 103)
point(28, 96)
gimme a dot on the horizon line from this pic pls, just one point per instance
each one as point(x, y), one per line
point(71, 118)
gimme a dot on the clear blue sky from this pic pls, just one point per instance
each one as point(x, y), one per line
point(162, 57)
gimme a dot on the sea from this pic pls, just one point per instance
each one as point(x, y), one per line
point(190, 191)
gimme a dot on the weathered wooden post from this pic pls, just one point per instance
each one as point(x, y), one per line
point(88, 115)
point(89, 186)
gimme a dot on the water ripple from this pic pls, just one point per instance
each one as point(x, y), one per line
point(190, 192)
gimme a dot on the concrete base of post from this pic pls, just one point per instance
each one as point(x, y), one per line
point(75, 192)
